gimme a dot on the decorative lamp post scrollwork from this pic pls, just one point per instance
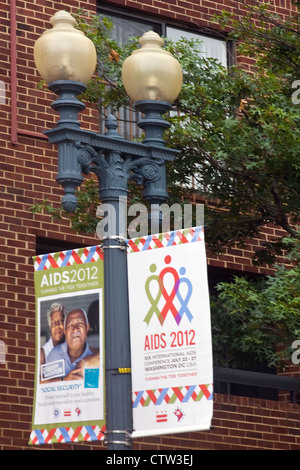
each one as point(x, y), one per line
point(152, 77)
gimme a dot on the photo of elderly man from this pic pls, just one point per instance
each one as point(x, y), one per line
point(75, 351)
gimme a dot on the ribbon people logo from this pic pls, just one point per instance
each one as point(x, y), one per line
point(169, 293)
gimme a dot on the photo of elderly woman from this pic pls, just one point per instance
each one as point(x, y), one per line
point(55, 319)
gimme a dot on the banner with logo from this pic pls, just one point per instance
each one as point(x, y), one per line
point(171, 352)
point(69, 401)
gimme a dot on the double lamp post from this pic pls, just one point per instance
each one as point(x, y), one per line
point(66, 60)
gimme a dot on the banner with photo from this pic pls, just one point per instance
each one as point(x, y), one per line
point(171, 351)
point(69, 400)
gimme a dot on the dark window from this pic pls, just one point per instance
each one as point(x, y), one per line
point(48, 245)
point(127, 25)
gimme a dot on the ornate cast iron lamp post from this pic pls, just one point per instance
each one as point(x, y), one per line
point(66, 59)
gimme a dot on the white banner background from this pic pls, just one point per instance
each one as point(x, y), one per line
point(65, 409)
point(171, 348)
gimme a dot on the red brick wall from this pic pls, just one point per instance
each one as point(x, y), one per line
point(239, 423)
point(27, 175)
point(28, 165)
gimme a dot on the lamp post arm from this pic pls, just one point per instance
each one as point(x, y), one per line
point(112, 158)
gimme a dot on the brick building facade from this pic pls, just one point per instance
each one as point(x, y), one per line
point(28, 166)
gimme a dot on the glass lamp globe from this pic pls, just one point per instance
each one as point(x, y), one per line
point(151, 73)
point(63, 52)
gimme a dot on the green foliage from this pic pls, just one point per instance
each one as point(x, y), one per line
point(106, 84)
point(257, 321)
point(270, 39)
point(238, 133)
point(46, 206)
point(239, 136)
point(83, 219)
